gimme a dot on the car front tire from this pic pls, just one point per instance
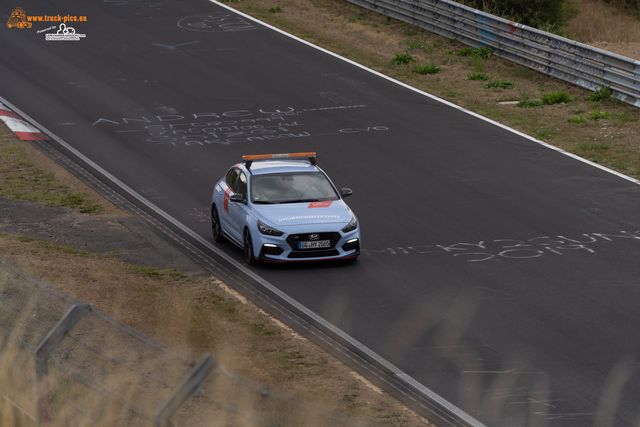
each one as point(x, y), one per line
point(216, 228)
point(248, 248)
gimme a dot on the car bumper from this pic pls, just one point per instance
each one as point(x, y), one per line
point(284, 248)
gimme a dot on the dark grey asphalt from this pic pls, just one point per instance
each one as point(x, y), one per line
point(498, 273)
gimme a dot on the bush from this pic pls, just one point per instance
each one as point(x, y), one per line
point(551, 14)
point(402, 58)
point(557, 97)
point(426, 69)
point(599, 95)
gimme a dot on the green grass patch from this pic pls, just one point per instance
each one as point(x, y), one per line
point(530, 103)
point(579, 119)
point(426, 69)
point(276, 9)
point(544, 134)
point(478, 52)
point(599, 115)
point(402, 58)
point(500, 84)
point(600, 95)
point(21, 180)
point(477, 76)
point(558, 97)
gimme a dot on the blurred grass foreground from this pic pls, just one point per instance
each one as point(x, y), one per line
point(84, 367)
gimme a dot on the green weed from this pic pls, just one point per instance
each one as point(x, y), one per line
point(477, 76)
point(530, 103)
point(599, 95)
point(500, 84)
point(402, 58)
point(598, 114)
point(276, 9)
point(426, 69)
point(558, 97)
point(578, 119)
point(481, 52)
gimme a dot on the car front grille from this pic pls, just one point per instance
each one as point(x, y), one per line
point(293, 240)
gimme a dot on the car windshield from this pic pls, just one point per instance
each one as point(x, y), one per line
point(292, 188)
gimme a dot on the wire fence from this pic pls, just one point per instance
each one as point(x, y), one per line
point(65, 363)
point(576, 63)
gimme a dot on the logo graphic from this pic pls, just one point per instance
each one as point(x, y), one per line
point(64, 33)
point(18, 19)
point(320, 204)
point(313, 237)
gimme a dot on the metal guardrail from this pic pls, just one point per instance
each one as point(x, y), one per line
point(65, 363)
point(576, 63)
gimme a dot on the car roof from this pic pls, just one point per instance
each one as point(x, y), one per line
point(264, 167)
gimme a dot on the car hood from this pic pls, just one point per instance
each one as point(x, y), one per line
point(303, 213)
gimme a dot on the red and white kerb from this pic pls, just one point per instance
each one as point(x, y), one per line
point(20, 127)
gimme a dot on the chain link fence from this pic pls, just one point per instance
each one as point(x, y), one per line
point(65, 363)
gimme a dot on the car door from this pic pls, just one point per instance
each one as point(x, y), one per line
point(238, 211)
point(225, 190)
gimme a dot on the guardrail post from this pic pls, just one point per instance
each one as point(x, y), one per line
point(44, 350)
point(183, 391)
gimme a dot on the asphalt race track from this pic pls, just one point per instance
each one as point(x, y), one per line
point(497, 273)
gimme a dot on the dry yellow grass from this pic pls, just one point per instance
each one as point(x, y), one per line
point(600, 22)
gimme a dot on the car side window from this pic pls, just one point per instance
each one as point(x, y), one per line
point(232, 176)
point(241, 183)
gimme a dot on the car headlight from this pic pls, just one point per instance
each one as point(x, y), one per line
point(351, 226)
point(265, 229)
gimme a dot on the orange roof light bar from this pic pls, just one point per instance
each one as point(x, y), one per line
point(278, 156)
point(249, 159)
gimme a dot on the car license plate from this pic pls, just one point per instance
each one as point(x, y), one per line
point(314, 245)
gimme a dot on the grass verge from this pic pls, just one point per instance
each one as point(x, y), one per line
point(198, 314)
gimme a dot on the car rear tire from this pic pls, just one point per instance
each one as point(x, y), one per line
point(215, 226)
point(248, 248)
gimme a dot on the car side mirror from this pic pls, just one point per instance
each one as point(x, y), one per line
point(345, 192)
point(238, 198)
